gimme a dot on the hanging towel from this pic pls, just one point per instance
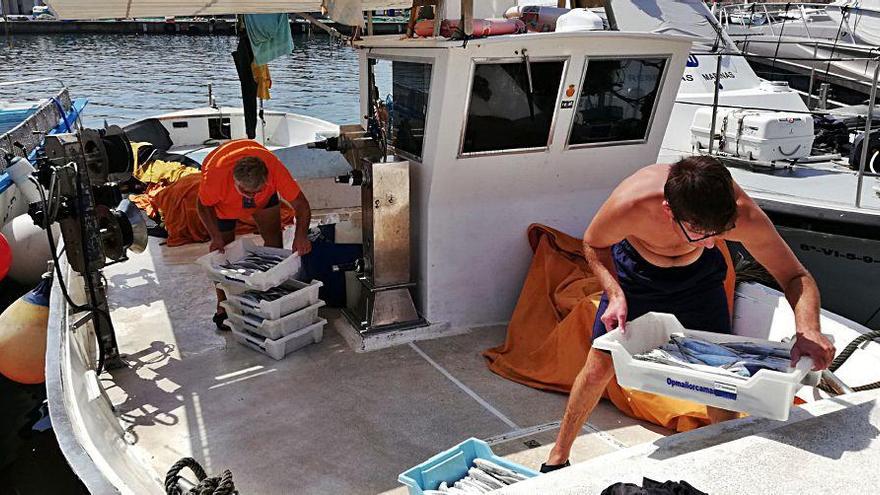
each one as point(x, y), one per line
point(263, 80)
point(269, 35)
point(348, 12)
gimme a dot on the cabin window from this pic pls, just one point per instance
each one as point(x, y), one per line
point(401, 102)
point(507, 111)
point(617, 100)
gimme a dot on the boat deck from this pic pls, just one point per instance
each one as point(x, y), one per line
point(825, 185)
point(325, 419)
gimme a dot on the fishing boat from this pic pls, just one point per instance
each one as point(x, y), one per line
point(483, 137)
point(810, 44)
point(23, 125)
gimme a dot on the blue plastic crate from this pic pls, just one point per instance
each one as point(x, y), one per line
point(452, 465)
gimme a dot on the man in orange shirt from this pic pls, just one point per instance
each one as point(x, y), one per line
point(241, 180)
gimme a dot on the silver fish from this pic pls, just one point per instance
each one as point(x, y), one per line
point(492, 468)
point(479, 475)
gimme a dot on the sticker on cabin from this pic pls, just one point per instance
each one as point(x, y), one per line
point(719, 389)
point(567, 104)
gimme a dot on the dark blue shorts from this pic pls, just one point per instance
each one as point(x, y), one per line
point(228, 224)
point(693, 293)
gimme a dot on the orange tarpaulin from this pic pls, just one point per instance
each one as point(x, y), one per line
point(549, 333)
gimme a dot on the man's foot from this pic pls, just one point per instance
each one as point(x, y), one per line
point(220, 321)
point(546, 468)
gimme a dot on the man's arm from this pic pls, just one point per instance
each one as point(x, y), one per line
point(763, 242)
point(303, 214)
point(605, 230)
point(209, 219)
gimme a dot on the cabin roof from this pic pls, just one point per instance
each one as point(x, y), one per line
point(396, 41)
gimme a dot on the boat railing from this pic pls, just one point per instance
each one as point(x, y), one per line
point(733, 14)
point(862, 171)
point(27, 135)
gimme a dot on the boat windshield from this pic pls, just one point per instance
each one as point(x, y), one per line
point(681, 17)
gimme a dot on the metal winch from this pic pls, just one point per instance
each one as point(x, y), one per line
point(384, 273)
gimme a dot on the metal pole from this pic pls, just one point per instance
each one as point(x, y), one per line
point(866, 142)
point(810, 91)
point(715, 104)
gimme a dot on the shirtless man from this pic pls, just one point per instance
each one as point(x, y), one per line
point(651, 246)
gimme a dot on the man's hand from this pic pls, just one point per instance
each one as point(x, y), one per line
point(302, 245)
point(217, 244)
point(813, 345)
point(615, 314)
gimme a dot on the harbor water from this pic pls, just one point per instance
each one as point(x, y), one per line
point(129, 77)
point(126, 78)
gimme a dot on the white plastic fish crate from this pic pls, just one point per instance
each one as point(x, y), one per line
point(278, 348)
point(234, 251)
point(767, 394)
point(303, 294)
point(273, 329)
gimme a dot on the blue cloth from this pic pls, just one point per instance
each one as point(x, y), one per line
point(269, 35)
point(693, 293)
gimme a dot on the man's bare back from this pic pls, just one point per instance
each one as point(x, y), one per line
point(652, 231)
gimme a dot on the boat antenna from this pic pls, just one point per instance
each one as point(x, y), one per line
point(844, 11)
point(779, 38)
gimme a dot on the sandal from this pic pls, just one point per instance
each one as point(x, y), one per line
point(547, 468)
point(220, 320)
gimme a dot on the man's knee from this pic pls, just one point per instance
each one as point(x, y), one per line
point(599, 365)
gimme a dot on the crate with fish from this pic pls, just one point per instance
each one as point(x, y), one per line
point(658, 355)
point(248, 265)
point(289, 297)
point(469, 467)
point(278, 348)
point(269, 328)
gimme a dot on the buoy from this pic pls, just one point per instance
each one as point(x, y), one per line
point(5, 256)
point(23, 328)
point(30, 249)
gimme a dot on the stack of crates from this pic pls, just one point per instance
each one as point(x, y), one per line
point(270, 312)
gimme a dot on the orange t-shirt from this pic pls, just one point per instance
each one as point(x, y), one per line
point(217, 188)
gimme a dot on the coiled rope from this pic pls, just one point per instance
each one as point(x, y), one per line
point(849, 350)
point(217, 485)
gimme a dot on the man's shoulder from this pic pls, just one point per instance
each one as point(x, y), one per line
point(644, 185)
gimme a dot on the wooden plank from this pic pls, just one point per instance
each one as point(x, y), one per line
point(439, 12)
point(369, 23)
point(315, 22)
point(467, 16)
point(413, 15)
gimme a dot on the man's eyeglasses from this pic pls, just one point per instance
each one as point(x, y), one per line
point(702, 237)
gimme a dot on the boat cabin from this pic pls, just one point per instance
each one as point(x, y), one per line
point(506, 131)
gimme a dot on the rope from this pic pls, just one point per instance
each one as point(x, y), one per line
point(851, 348)
point(848, 351)
point(217, 485)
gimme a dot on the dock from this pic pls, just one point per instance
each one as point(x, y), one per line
point(196, 27)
